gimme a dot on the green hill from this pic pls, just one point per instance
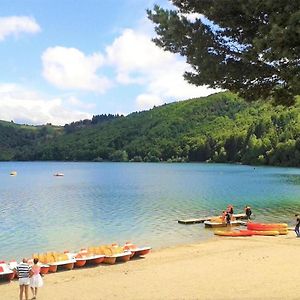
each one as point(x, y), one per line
point(219, 128)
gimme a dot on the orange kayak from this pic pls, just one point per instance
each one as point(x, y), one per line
point(233, 233)
point(265, 232)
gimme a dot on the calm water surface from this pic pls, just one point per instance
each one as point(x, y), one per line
point(97, 203)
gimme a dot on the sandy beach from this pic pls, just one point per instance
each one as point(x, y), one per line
point(221, 268)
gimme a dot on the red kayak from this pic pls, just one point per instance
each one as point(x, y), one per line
point(267, 227)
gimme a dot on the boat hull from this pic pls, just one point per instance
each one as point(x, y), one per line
point(142, 251)
point(80, 263)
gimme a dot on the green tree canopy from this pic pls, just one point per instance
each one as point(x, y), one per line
point(250, 47)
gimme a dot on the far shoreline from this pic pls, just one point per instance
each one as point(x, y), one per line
point(151, 162)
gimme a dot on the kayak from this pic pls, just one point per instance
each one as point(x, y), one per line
point(233, 233)
point(264, 232)
point(267, 227)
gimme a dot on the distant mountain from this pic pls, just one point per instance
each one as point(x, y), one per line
point(217, 128)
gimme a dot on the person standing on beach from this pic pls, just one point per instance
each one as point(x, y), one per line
point(297, 225)
point(36, 280)
point(248, 212)
point(228, 218)
point(230, 209)
point(24, 272)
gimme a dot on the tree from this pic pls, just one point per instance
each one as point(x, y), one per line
point(119, 155)
point(249, 47)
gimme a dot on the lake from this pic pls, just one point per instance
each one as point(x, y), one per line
point(99, 203)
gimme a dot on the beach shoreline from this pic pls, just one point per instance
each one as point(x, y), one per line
point(220, 268)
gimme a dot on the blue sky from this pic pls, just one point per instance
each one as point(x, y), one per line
point(67, 60)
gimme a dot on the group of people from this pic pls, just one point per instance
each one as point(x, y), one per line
point(29, 276)
point(227, 215)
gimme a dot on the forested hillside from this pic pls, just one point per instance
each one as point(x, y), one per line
point(218, 128)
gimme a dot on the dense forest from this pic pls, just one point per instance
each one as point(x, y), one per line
point(218, 128)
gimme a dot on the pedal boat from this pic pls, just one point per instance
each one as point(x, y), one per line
point(56, 261)
point(64, 264)
point(59, 174)
point(112, 253)
point(137, 251)
point(6, 272)
point(83, 257)
point(119, 257)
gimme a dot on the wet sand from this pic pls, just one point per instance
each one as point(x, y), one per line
point(221, 268)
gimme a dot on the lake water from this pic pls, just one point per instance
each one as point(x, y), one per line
point(98, 203)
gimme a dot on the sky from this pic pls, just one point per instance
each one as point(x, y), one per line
point(67, 60)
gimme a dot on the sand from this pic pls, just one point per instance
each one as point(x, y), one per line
point(221, 268)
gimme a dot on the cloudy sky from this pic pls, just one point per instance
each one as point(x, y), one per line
point(66, 60)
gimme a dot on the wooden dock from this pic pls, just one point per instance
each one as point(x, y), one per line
point(201, 220)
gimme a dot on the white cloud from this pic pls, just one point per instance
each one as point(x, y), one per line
point(134, 53)
point(69, 68)
point(147, 101)
point(77, 103)
point(139, 61)
point(15, 25)
point(22, 105)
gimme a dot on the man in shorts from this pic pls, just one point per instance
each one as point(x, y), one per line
point(24, 272)
point(297, 225)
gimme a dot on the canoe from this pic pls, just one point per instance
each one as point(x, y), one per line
point(218, 224)
point(267, 227)
point(5, 272)
point(233, 233)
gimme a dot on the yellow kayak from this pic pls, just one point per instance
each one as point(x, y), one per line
point(265, 232)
